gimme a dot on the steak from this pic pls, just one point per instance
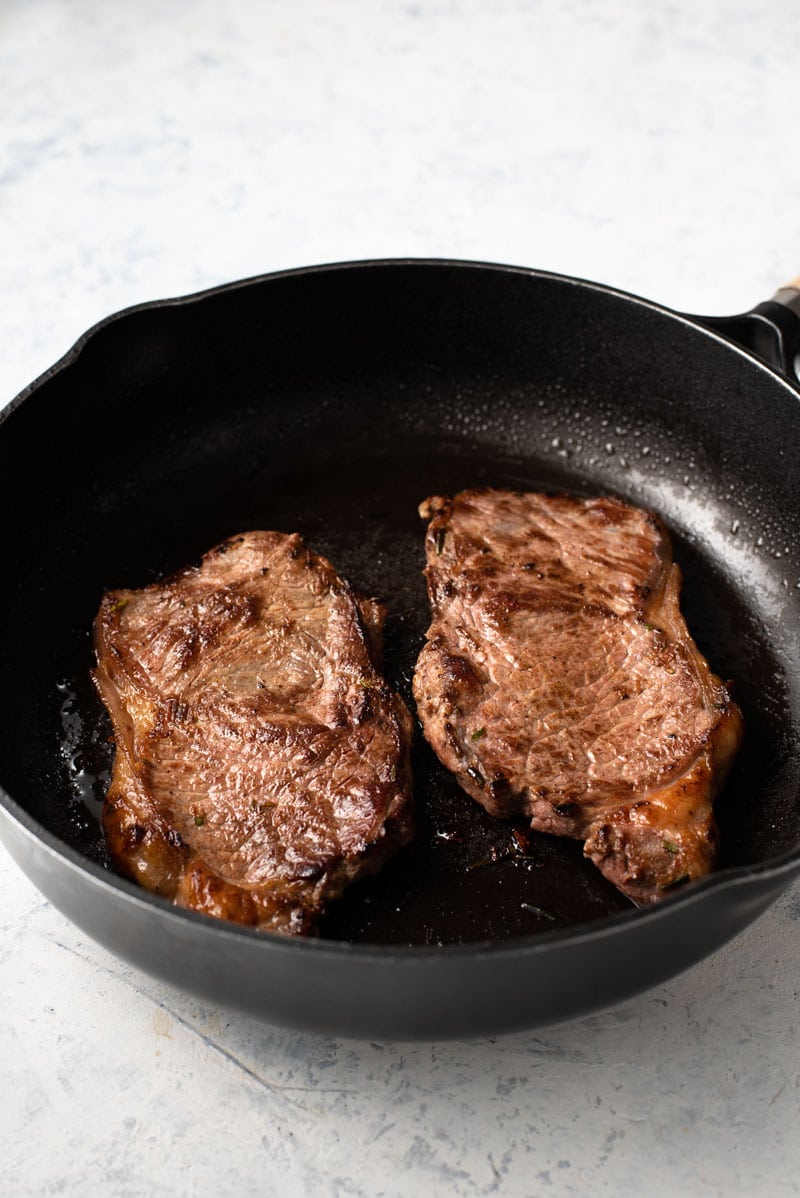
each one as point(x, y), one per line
point(262, 762)
point(559, 681)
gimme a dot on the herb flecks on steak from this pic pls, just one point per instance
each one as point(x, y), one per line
point(261, 759)
point(559, 681)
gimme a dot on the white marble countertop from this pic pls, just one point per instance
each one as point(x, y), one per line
point(161, 146)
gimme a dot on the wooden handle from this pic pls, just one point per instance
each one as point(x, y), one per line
point(789, 295)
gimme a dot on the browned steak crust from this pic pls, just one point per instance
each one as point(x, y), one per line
point(262, 762)
point(559, 681)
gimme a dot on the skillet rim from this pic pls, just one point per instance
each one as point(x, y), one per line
point(694, 321)
point(730, 877)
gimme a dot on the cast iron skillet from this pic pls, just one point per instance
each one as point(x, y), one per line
point(331, 401)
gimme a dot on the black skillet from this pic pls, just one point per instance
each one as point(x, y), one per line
point(331, 401)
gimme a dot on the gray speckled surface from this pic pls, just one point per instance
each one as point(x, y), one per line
point(158, 147)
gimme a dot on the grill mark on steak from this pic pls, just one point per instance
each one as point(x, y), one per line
point(262, 762)
point(559, 681)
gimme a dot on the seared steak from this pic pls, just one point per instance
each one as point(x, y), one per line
point(559, 681)
point(261, 759)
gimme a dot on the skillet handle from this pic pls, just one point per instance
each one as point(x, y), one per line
point(771, 330)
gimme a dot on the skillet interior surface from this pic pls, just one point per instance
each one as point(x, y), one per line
point(331, 402)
